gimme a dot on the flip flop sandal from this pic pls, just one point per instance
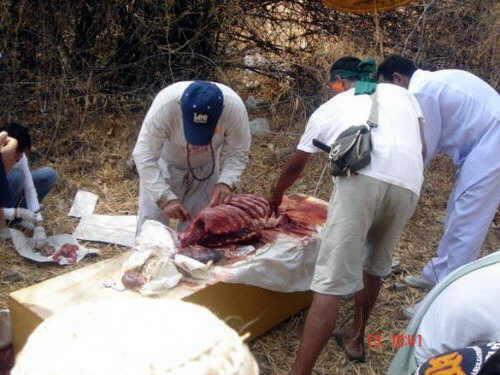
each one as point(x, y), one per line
point(339, 339)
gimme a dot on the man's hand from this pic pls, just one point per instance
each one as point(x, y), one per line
point(26, 215)
point(222, 193)
point(176, 210)
point(8, 150)
point(275, 203)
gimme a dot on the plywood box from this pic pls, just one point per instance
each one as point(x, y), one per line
point(245, 308)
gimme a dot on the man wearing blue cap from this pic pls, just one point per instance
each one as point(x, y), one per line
point(191, 151)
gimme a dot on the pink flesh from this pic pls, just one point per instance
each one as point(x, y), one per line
point(243, 217)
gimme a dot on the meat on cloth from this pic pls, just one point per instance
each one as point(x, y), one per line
point(239, 220)
point(247, 216)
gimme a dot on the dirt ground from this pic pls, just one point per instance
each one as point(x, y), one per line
point(94, 158)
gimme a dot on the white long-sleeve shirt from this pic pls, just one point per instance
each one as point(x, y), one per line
point(459, 110)
point(161, 141)
point(30, 194)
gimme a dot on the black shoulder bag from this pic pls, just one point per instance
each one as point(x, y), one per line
point(352, 149)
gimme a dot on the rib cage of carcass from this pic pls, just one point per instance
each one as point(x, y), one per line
point(245, 216)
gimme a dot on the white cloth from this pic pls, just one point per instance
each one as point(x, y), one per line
point(462, 114)
point(397, 147)
point(465, 313)
point(161, 158)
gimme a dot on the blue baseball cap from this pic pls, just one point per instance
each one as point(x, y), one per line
point(201, 104)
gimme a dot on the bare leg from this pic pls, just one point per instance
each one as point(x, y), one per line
point(364, 302)
point(320, 322)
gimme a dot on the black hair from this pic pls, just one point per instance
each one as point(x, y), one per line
point(492, 365)
point(344, 63)
point(20, 133)
point(395, 64)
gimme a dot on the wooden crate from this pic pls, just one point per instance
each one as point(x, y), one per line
point(245, 308)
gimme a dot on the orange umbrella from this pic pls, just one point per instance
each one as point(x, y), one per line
point(364, 6)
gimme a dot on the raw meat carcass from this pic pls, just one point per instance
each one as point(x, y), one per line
point(240, 220)
point(301, 214)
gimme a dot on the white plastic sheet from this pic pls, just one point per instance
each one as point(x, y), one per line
point(193, 268)
point(285, 265)
point(153, 258)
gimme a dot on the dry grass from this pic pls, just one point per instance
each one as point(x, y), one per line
point(94, 158)
point(90, 151)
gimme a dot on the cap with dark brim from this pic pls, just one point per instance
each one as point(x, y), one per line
point(201, 104)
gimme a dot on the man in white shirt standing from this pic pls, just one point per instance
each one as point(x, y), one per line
point(367, 210)
point(462, 115)
point(191, 151)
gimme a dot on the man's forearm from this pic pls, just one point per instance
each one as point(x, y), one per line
point(291, 173)
point(286, 179)
point(153, 181)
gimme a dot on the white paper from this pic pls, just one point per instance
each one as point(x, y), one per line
point(83, 204)
point(24, 246)
point(119, 230)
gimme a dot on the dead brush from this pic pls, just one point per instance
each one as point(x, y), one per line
point(85, 124)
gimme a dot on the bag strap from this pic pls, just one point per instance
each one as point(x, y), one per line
point(373, 117)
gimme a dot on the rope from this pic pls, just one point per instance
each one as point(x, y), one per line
point(190, 168)
point(320, 178)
